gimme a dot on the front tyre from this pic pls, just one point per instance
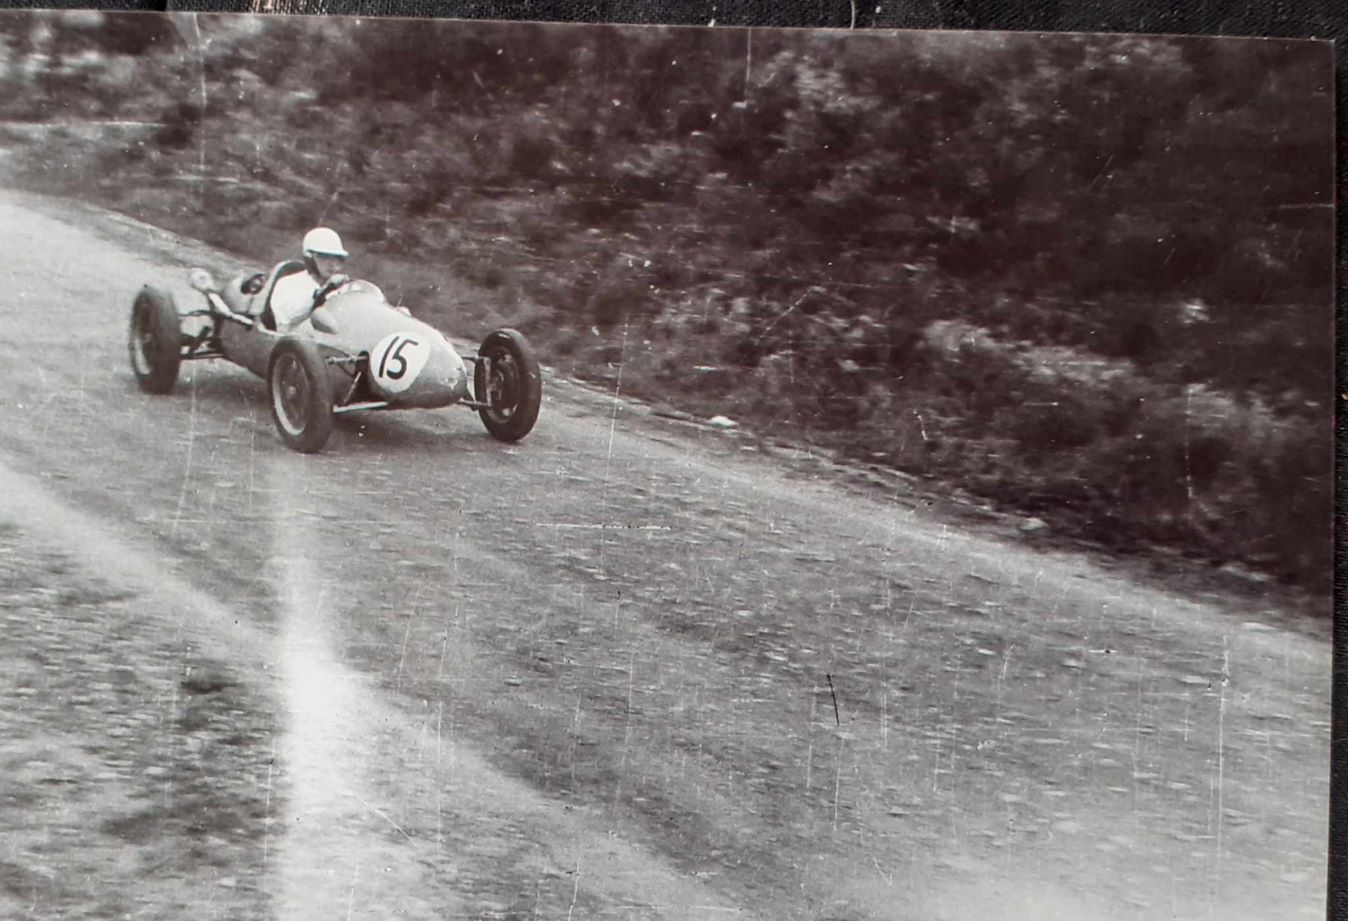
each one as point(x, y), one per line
point(301, 395)
point(155, 341)
point(507, 378)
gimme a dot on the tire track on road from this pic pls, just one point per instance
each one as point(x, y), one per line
point(415, 872)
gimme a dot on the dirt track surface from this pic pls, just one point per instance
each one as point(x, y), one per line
point(594, 675)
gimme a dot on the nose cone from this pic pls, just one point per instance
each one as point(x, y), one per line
point(417, 368)
point(442, 381)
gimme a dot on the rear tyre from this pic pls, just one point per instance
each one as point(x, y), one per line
point(155, 341)
point(508, 379)
point(301, 395)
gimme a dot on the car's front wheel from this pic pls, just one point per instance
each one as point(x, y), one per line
point(301, 395)
point(507, 378)
point(155, 341)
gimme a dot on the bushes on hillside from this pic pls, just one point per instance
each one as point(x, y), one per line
point(984, 257)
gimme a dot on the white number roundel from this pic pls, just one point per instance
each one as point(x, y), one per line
point(397, 360)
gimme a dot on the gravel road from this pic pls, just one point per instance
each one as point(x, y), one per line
point(629, 668)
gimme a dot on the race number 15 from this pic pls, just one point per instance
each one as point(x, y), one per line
point(393, 365)
point(397, 360)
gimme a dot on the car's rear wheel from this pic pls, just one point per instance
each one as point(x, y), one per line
point(155, 341)
point(507, 378)
point(301, 395)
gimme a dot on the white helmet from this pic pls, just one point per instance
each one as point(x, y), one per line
point(323, 241)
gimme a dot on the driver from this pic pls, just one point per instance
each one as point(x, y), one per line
point(295, 296)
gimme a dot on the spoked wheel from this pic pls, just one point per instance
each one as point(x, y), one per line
point(155, 341)
point(508, 380)
point(301, 395)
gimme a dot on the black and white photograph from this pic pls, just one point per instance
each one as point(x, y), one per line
point(507, 471)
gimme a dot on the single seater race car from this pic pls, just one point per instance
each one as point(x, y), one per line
point(355, 353)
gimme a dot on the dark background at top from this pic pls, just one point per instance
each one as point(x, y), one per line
point(1284, 18)
point(1322, 19)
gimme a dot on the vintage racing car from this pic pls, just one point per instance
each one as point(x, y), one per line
point(354, 353)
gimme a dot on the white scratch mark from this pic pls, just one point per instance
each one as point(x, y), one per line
point(332, 200)
point(191, 443)
point(748, 58)
point(575, 891)
point(783, 315)
point(602, 526)
point(1188, 476)
point(936, 762)
point(351, 895)
point(575, 736)
point(1137, 731)
point(383, 815)
point(887, 877)
point(809, 754)
point(266, 808)
point(201, 133)
point(402, 655)
point(627, 730)
point(439, 788)
point(1221, 762)
point(1001, 679)
point(884, 719)
point(612, 431)
point(837, 784)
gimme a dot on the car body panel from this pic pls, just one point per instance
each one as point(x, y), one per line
point(411, 364)
point(236, 293)
point(248, 348)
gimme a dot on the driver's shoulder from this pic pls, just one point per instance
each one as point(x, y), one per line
point(292, 280)
point(288, 268)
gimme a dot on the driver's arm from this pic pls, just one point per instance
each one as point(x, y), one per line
point(333, 284)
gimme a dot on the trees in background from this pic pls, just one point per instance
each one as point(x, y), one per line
point(799, 209)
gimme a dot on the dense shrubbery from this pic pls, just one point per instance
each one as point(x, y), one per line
point(1087, 277)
